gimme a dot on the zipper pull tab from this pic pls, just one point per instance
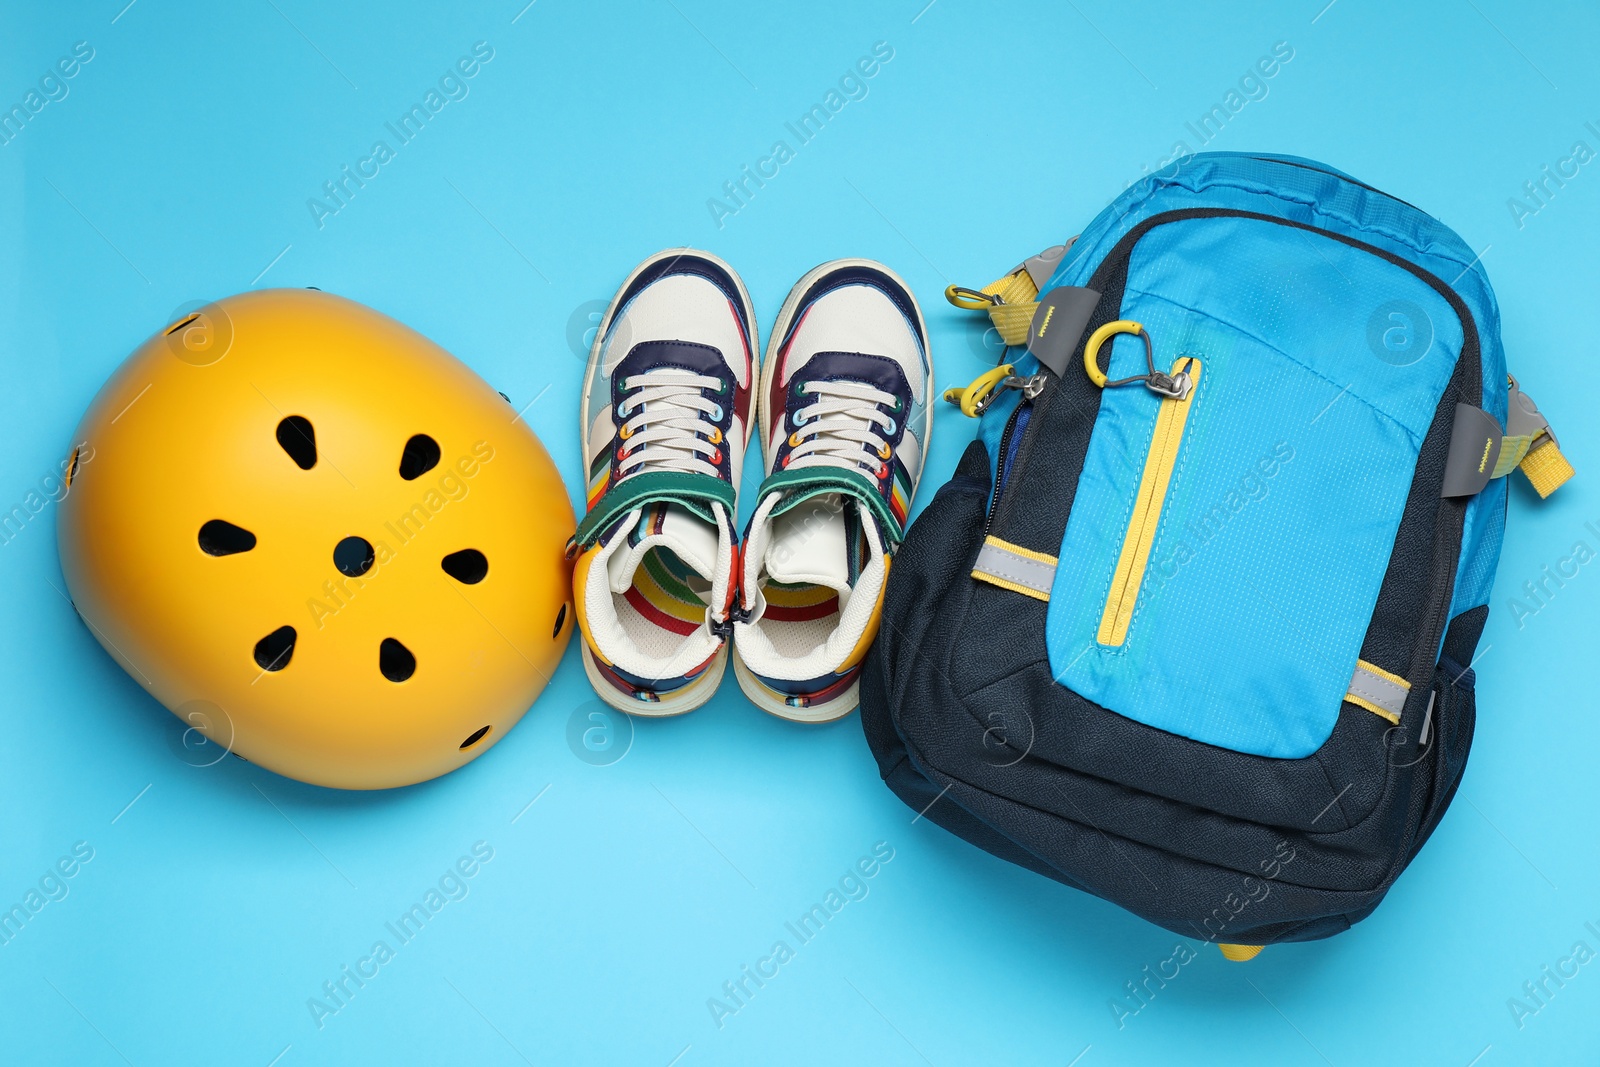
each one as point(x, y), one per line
point(977, 398)
point(1030, 387)
point(1171, 386)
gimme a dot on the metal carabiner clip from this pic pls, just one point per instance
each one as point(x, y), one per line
point(971, 299)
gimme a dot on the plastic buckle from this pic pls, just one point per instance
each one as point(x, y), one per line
point(1043, 266)
point(1523, 415)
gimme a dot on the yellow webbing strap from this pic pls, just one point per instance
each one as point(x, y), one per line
point(1530, 444)
point(1512, 449)
point(1539, 458)
point(1012, 316)
point(1547, 469)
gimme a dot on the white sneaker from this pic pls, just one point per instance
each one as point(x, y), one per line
point(668, 408)
point(846, 407)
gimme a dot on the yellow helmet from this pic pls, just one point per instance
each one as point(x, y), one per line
point(319, 539)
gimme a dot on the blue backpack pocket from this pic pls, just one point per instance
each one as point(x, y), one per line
point(1225, 552)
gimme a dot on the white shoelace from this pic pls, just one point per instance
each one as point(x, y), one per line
point(669, 424)
point(839, 427)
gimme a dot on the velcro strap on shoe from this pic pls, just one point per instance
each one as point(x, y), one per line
point(1377, 690)
point(696, 492)
point(1021, 570)
point(803, 483)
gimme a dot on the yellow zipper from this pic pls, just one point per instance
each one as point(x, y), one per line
point(1141, 532)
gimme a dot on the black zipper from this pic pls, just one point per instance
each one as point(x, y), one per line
point(1446, 555)
point(1000, 462)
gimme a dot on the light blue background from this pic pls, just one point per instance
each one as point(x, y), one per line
point(178, 169)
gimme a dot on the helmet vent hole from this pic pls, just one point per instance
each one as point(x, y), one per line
point(297, 438)
point(467, 566)
point(353, 556)
point(274, 651)
point(395, 660)
point(221, 538)
point(421, 455)
point(72, 467)
point(561, 620)
point(477, 735)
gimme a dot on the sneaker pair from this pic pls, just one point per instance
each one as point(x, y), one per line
point(663, 581)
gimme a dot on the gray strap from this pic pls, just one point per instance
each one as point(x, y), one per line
point(1013, 567)
point(1378, 691)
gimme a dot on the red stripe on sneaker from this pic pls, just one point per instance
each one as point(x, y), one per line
point(803, 612)
point(780, 389)
point(660, 618)
point(822, 696)
point(742, 394)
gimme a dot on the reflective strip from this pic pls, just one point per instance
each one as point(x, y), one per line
point(1013, 567)
point(1378, 691)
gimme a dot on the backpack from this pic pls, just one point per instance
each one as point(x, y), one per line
point(1192, 626)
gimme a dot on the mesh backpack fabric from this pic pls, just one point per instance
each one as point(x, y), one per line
point(1186, 735)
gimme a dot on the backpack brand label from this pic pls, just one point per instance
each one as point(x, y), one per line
point(1058, 324)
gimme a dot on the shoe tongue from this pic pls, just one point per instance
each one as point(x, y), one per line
point(670, 526)
point(810, 543)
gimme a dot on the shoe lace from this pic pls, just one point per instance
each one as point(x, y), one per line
point(668, 423)
point(840, 427)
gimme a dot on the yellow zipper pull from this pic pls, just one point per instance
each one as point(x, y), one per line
point(986, 388)
point(1166, 443)
point(975, 397)
point(1174, 386)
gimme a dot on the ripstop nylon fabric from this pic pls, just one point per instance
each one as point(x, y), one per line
point(1286, 494)
point(1310, 192)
